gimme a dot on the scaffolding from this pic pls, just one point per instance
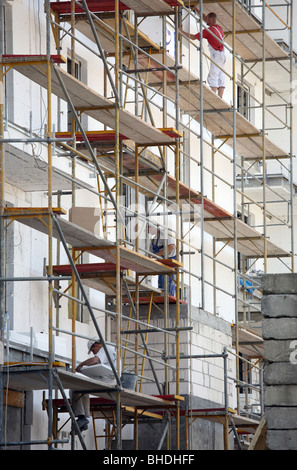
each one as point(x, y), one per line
point(132, 152)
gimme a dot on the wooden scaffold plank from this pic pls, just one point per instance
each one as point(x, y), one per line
point(92, 103)
point(217, 221)
point(34, 378)
point(141, 7)
point(217, 115)
point(82, 239)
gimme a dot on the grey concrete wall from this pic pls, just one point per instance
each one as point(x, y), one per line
point(205, 389)
point(203, 434)
point(279, 309)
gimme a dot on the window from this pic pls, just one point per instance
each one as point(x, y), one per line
point(82, 312)
point(127, 197)
point(8, 79)
point(186, 294)
point(127, 212)
point(243, 100)
point(247, 4)
point(185, 160)
point(240, 258)
point(77, 74)
point(9, 271)
point(245, 375)
point(77, 68)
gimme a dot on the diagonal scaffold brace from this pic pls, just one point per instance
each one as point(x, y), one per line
point(85, 297)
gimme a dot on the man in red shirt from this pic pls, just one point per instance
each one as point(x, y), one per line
point(216, 76)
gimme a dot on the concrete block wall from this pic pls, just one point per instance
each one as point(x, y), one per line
point(279, 309)
point(210, 335)
point(201, 380)
point(201, 377)
point(155, 344)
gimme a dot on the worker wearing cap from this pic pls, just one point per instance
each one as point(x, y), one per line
point(157, 247)
point(216, 76)
point(81, 401)
point(100, 357)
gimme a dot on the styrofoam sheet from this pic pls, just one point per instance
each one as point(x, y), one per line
point(98, 371)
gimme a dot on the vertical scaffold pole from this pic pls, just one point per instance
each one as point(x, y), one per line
point(214, 264)
point(165, 222)
point(50, 223)
point(201, 157)
point(118, 224)
point(234, 194)
point(226, 398)
point(165, 217)
point(2, 245)
point(73, 313)
point(263, 136)
point(73, 195)
point(137, 231)
point(291, 138)
point(177, 156)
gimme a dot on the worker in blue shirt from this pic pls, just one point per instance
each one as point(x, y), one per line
point(157, 247)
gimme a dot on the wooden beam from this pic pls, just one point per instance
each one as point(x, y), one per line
point(19, 212)
point(259, 439)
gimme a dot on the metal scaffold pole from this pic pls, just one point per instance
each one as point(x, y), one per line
point(50, 224)
point(73, 189)
point(202, 157)
point(165, 219)
point(2, 204)
point(118, 223)
point(263, 135)
point(234, 97)
point(177, 176)
point(291, 52)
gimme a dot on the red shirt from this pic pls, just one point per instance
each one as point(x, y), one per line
point(217, 31)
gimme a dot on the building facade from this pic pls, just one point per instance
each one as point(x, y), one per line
point(100, 135)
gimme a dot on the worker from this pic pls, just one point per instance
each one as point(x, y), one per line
point(157, 247)
point(81, 401)
point(216, 76)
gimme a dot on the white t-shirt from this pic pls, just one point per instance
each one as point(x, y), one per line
point(104, 359)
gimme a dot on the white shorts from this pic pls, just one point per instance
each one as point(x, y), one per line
point(216, 77)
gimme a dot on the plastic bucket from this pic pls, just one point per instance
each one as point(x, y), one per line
point(129, 380)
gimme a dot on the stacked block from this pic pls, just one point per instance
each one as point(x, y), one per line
point(279, 309)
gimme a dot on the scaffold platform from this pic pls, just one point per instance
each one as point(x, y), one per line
point(83, 240)
point(37, 378)
point(141, 7)
point(87, 100)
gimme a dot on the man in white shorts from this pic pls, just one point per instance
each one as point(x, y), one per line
point(216, 76)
